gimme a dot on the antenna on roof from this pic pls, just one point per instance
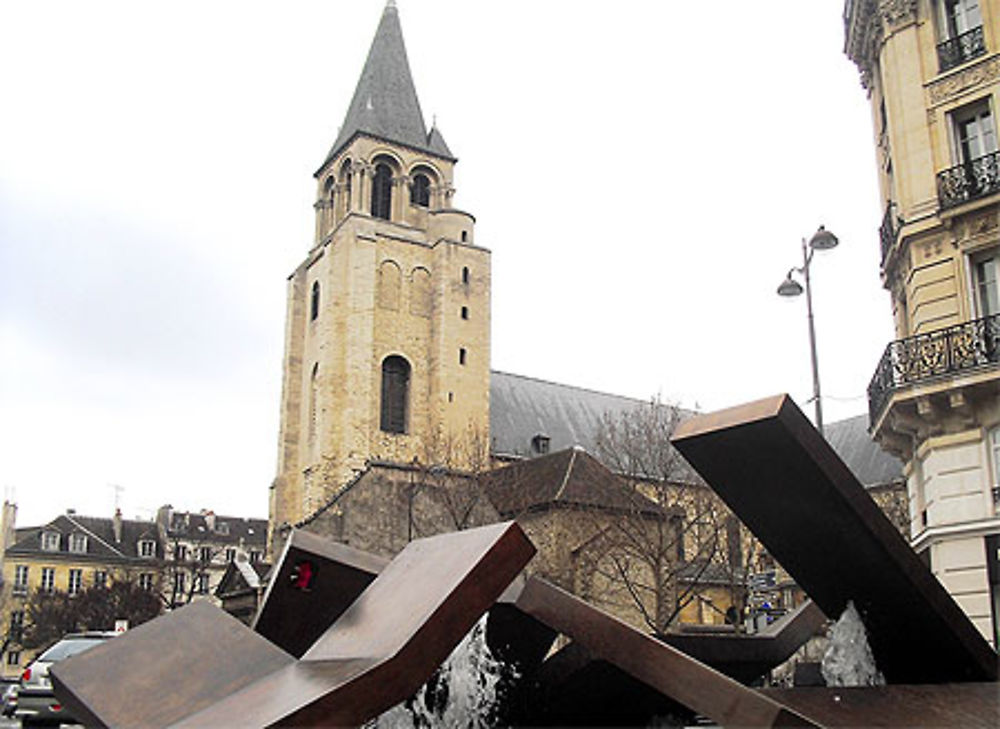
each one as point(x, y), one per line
point(118, 493)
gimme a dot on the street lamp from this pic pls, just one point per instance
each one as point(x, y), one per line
point(823, 240)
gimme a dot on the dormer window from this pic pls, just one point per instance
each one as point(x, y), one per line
point(50, 541)
point(540, 444)
point(147, 548)
point(78, 543)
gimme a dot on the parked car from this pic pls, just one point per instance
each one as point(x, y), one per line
point(8, 702)
point(36, 703)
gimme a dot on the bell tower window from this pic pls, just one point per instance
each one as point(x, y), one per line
point(395, 394)
point(420, 190)
point(382, 192)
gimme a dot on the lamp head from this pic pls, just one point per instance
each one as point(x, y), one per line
point(823, 240)
point(789, 287)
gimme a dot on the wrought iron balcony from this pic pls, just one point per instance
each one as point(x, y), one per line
point(888, 232)
point(969, 180)
point(956, 51)
point(924, 357)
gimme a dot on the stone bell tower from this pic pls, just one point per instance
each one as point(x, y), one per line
point(387, 336)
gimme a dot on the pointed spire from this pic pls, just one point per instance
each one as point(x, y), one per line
point(385, 103)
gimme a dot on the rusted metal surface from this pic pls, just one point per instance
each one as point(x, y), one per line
point(785, 482)
point(966, 705)
point(656, 664)
point(292, 616)
point(159, 672)
point(380, 650)
point(746, 657)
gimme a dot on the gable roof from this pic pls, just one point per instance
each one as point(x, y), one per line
point(571, 477)
point(100, 533)
point(227, 529)
point(385, 103)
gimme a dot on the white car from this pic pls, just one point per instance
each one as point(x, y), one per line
point(36, 703)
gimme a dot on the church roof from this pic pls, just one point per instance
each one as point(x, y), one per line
point(524, 407)
point(385, 103)
point(571, 477)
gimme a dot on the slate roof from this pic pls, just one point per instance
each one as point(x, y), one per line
point(523, 407)
point(871, 465)
point(385, 103)
point(571, 477)
point(228, 529)
point(101, 542)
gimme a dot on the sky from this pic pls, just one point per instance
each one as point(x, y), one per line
point(643, 178)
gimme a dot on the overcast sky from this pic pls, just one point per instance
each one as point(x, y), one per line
point(643, 173)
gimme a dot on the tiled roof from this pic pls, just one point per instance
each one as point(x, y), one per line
point(385, 103)
point(570, 477)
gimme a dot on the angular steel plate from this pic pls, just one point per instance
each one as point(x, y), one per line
point(785, 482)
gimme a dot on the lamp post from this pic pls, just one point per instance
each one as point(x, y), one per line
point(822, 240)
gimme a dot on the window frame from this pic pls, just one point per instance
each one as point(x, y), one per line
point(147, 548)
point(77, 543)
point(394, 402)
point(979, 110)
point(50, 540)
point(980, 308)
point(21, 575)
point(48, 581)
point(381, 198)
point(147, 581)
point(74, 584)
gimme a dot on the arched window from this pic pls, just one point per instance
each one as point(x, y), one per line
point(345, 180)
point(382, 192)
point(395, 393)
point(314, 302)
point(420, 190)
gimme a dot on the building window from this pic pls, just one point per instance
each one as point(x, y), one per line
point(100, 579)
point(201, 583)
point(382, 192)
point(146, 581)
point(420, 190)
point(974, 145)
point(314, 302)
point(987, 292)
point(540, 443)
point(461, 355)
point(50, 541)
point(395, 394)
point(994, 446)
point(48, 579)
point(180, 582)
point(254, 556)
point(465, 274)
point(230, 554)
point(313, 394)
point(204, 555)
point(960, 28)
point(21, 579)
point(13, 658)
point(465, 236)
point(75, 581)
point(78, 543)
point(465, 312)
point(147, 548)
point(975, 133)
point(16, 625)
point(180, 552)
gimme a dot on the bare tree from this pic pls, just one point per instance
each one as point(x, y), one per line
point(667, 561)
point(187, 568)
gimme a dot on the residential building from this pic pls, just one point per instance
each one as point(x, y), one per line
point(70, 553)
point(931, 69)
point(198, 547)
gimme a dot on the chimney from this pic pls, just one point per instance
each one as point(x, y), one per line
point(116, 524)
point(8, 526)
point(210, 520)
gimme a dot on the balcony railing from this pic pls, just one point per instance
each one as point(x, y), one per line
point(969, 180)
point(888, 232)
point(927, 356)
point(956, 51)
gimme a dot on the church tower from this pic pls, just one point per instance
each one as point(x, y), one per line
point(388, 321)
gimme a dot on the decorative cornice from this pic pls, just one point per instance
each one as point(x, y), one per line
point(867, 22)
point(897, 12)
point(955, 84)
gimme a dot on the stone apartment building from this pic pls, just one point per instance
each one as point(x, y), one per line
point(72, 553)
point(931, 69)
